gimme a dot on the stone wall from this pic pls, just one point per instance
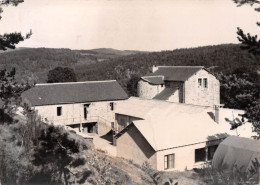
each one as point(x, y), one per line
point(178, 94)
point(199, 95)
point(123, 120)
point(133, 146)
point(74, 113)
point(147, 90)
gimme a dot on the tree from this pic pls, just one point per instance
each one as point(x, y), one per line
point(61, 74)
point(9, 40)
point(132, 85)
point(55, 154)
point(252, 45)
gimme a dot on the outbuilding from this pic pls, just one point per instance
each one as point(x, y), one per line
point(170, 136)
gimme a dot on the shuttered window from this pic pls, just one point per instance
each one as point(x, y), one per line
point(169, 161)
point(205, 82)
point(199, 82)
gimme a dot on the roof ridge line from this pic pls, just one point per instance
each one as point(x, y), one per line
point(184, 66)
point(153, 76)
point(169, 102)
point(61, 83)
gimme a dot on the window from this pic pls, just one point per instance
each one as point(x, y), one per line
point(111, 106)
point(161, 85)
point(59, 111)
point(211, 151)
point(112, 125)
point(169, 161)
point(205, 82)
point(200, 154)
point(199, 82)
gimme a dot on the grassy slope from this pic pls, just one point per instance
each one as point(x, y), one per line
point(110, 170)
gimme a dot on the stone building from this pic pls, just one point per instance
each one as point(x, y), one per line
point(184, 84)
point(88, 106)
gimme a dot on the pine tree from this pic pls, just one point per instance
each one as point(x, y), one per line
point(9, 40)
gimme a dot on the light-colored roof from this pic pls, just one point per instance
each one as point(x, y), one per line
point(167, 125)
point(176, 73)
point(74, 92)
point(150, 108)
point(178, 130)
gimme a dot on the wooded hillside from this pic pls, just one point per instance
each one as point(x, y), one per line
point(103, 64)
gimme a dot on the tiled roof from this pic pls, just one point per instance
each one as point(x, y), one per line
point(176, 73)
point(74, 92)
point(165, 94)
point(155, 80)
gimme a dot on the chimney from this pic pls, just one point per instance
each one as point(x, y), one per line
point(216, 107)
point(154, 68)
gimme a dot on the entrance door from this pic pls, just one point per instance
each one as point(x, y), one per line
point(86, 110)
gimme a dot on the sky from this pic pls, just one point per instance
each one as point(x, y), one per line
point(147, 25)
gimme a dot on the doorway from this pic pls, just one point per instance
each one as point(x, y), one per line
point(86, 106)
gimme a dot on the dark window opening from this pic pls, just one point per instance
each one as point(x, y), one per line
point(161, 85)
point(112, 125)
point(200, 154)
point(199, 82)
point(111, 106)
point(205, 82)
point(169, 161)
point(59, 111)
point(211, 151)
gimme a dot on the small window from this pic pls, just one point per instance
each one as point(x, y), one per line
point(112, 125)
point(161, 85)
point(199, 82)
point(111, 106)
point(59, 111)
point(169, 161)
point(205, 82)
point(200, 154)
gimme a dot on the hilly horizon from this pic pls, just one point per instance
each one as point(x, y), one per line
point(111, 64)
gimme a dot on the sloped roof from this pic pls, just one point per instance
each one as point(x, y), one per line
point(165, 94)
point(176, 73)
point(151, 108)
point(74, 92)
point(167, 125)
point(155, 80)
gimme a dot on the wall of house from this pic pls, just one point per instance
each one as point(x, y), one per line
point(133, 146)
point(199, 95)
point(184, 158)
point(178, 94)
point(121, 121)
point(147, 90)
point(74, 113)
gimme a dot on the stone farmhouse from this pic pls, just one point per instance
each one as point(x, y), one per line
point(184, 84)
point(88, 106)
point(170, 136)
point(172, 125)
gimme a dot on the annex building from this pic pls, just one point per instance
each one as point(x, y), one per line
point(170, 136)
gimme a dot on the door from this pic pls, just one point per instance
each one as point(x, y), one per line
point(86, 110)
